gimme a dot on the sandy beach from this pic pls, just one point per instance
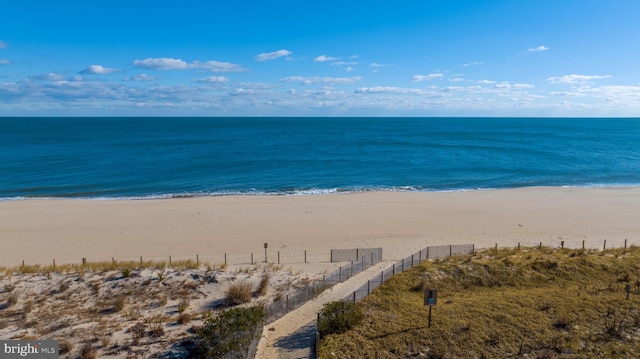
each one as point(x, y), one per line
point(38, 231)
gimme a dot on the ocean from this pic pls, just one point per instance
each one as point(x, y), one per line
point(163, 157)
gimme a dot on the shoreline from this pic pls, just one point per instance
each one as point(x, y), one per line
point(401, 222)
point(306, 192)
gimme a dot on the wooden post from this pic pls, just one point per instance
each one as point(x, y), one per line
point(496, 248)
point(351, 270)
point(323, 281)
point(450, 250)
point(540, 244)
point(412, 261)
point(354, 297)
point(382, 277)
point(141, 260)
point(225, 259)
point(54, 263)
point(265, 252)
point(427, 252)
point(113, 260)
point(583, 244)
point(420, 256)
point(84, 260)
point(169, 261)
point(518, 245)
point(252, 258)
point(394, 269)
point(625, 244)
point(23, 264)
point(340, 275)
point(278, 257)
point(197, 259)
point(562, 244)
point(403, 264)
point(305, 256)
point(368, 287)
point(604, 247)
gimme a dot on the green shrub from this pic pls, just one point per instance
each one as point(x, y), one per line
point(338, 317)
point(229, 333)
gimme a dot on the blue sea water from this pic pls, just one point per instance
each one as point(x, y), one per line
point(166, 157)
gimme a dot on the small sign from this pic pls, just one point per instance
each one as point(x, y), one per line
point(430, 297)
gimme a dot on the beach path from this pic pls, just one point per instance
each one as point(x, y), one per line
point(292, 335)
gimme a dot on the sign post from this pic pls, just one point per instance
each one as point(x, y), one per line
point(430, 299)
point(265, 252)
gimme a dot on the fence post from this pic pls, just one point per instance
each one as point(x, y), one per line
point(351, 270)
point(169, 261)
point(354, 296)
point(84, 260)
point(625, 244)
point(340, 277)
point(604, 248)
point(54, 262)
point(427, 252)
point(583, 244)
point(251, 258)
point(518, 245)
point(412, 261)
point(323, 280)
point(450, 250)
point(394, 269)
point(140, 260)
point(305, 256)
point(420, 256)
point(540, 244)
point(382, 277)
point(278, 257)
point(403, 264)
point(368, 287)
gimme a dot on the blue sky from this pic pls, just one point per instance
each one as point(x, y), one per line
point(329, 58)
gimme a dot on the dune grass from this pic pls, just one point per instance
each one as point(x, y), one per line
point(536, 303)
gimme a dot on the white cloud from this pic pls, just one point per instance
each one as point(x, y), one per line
point(212, 79)
point(272, 55)
point(97, 70)
point(345, 63)
point(508, 86)
point(217, 66)
point(375, 64)
point(390, 90)
point(3, 44)
point(164, 63)
point(576, 79)
point(324, 58)
point(322, 80)
point(4, 62)
point(538, 49)
point(142, 77)
point(486, 82)
point(418, 78)
point(474, 63)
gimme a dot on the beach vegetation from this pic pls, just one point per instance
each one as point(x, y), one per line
point(533, 302)
point(87, 351)
point(229, 333)
point(338, 317)
point(239, 293)
point(263, 287)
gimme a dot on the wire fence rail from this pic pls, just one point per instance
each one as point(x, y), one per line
point(406, 264)
point(290, 301)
